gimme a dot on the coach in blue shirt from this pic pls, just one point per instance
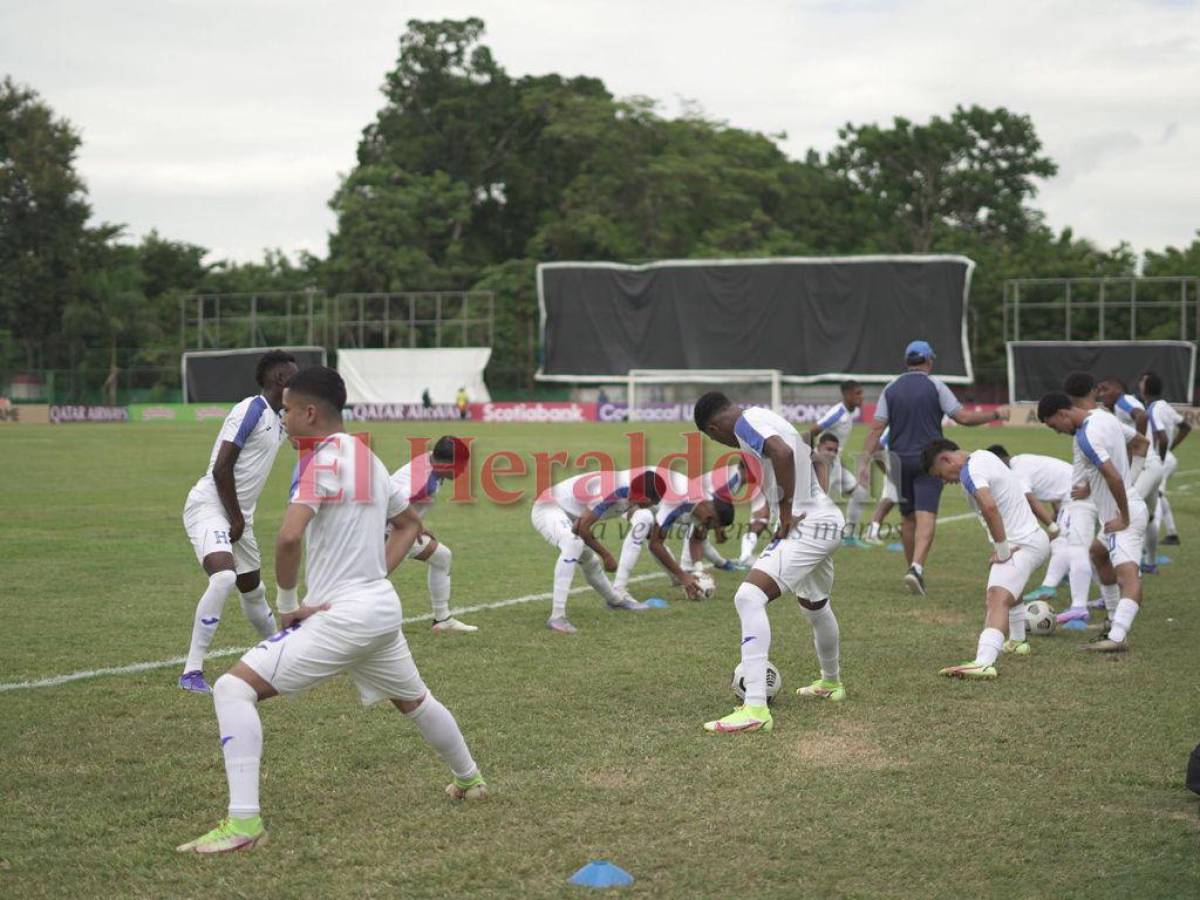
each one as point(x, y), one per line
point(913, 405)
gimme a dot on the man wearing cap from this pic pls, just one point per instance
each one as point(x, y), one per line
point(912, 406)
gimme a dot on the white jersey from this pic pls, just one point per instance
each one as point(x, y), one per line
point(258, 431)
point(1047, 478)
point(422, 496)
point(1162, 418)
point(348, 488)
point(754, 427)
point(1079, 463)
point(984, 469)
point(837, 421)
point(1102, 438)
point(605, 493)
point(1125, 407)
point(683, 495)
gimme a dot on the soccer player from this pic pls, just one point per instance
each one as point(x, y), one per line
point(998, 495)
point(799, 559)
point(912, 405)
point(1106, 463)
point(564, 515)
point(219, 513)
point(1046, 479)
point(341, 501)
point(450, 457)
point(890, 495)
point(1167, 430)
point(838, 421)
point(1128, 409)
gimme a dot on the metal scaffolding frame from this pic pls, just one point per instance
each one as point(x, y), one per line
point(1113, 295)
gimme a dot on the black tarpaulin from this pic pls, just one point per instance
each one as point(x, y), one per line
point(226, 376)
point(1037, 367)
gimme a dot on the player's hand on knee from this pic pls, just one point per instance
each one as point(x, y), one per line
point(299, 615)
point(1117, 524)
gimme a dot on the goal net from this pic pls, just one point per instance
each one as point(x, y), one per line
point(655, 393)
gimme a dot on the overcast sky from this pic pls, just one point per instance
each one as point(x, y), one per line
point(226, 122)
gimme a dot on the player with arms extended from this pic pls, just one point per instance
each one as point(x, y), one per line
point(341, 501)
point(219, 513)
point(798, 559)
point(450, 457)
point(1000, 498)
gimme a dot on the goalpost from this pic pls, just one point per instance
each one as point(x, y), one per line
point(760, 386)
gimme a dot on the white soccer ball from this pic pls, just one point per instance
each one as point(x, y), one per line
point(708, 587)
point(774, 682)
point(1040, 618)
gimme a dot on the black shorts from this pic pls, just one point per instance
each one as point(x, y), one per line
point(918, 491)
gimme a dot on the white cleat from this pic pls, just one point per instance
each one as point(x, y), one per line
point(453, 626)
point(625, 601)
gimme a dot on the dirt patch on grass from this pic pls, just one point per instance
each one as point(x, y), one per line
point(613, 778)
point(940, 616)
point(843, 744)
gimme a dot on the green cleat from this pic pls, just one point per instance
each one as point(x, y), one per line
point(1017, 648)
point(473, 788)
point(744, 718)
point(821, 689)
point(969, 670)
point(231, 834)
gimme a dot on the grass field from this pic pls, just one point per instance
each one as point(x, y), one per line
point(1062, 778)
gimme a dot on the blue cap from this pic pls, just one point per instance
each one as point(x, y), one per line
point(919, 348)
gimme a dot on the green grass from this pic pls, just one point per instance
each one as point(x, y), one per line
point(1062, 778)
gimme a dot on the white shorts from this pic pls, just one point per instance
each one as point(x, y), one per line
point(208, 529)
point(1028, 556)
point(1125, 546)
point(1170, 464)
point(841, 480)
point(554, 525)
point(1149, 480)
point(803, 564)
point(318, 648)
point(890, 492)
point(1082, 521)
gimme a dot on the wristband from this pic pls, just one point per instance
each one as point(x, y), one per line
point(1003, 553)
point(1052, 529)
point(286, 600)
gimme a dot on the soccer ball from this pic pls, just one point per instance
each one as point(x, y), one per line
point(774, 682)
point(708, 587)
point(1039, 618)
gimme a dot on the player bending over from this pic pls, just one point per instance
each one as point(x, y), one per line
point(838, 421)
point(449, 457)
point(219, 513)
point(341, 500)
point(564, 515)
point(799, 559)
point(1019, 547)
point(1106, 464)
point(1166, 430)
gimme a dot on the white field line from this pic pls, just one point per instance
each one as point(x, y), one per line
point(133, 668)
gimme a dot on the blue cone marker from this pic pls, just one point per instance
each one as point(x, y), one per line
point(600, 873)
point(657, 603)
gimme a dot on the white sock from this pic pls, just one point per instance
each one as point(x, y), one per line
point(1167, 517)
point(631, 547)
point(1080, 576)
point(854, 509)
point(1060, 563)
point(713, 555)
point(208, 614)
point(1016, 623)
point(564, 574)
point(826, 640)
point(749, 542)
point(685, 555)
point(991, 640)
point(1150, 547)
point(438, 578)
point(873, 531)
point(438, 727)
point(751, 605)
point(919, 568)
point(1111, 595)
point(236, 704)
point(258, 611)
point(593, 571)
point(1122, 619)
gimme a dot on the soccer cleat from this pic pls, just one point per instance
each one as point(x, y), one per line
point(833, 691)
point(1017, 648)
point(1098, 603)
point(1171, 540)
point(473, 788)
point(453, 626)
point(852, 541)
point(1149, 568)
point(970, 671)
point(1072, 614)
point(869, 541)
point(625, 601)
point(232, 834)
point(1104, 644)
point(914, 581)
point(1043, 593)
point(194, 681)
point(744, 718)
point(561, 625)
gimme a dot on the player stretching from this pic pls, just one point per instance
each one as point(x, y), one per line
point(799, 559)
point(843, 481)
point(341, 501)
point(449, 457)
point(219, 513)
point(1166, 430)
point(1106, 463)
point(998, 495)
point(1046, 479)
point(1147, 484)
point(890, 495)
point(564, 515)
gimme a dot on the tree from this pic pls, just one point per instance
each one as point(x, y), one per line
point(43, 210)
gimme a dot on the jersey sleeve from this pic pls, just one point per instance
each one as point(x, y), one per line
point(312, 486)
point(753, 434)
point(397, 499)
point(950, 403)
point(974, 475)
point(1093, 451)
point(833, 416)
point(1128, 404)
point(669, 513)
point(241, 422)
point(602, 505)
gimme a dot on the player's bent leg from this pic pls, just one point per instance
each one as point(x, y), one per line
point(640, 523)
point(438, 558)
point(221, 580)
point(991, 639)
point(253, 595)
point(751, 601)
point(570, 550)
point(827, 643)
